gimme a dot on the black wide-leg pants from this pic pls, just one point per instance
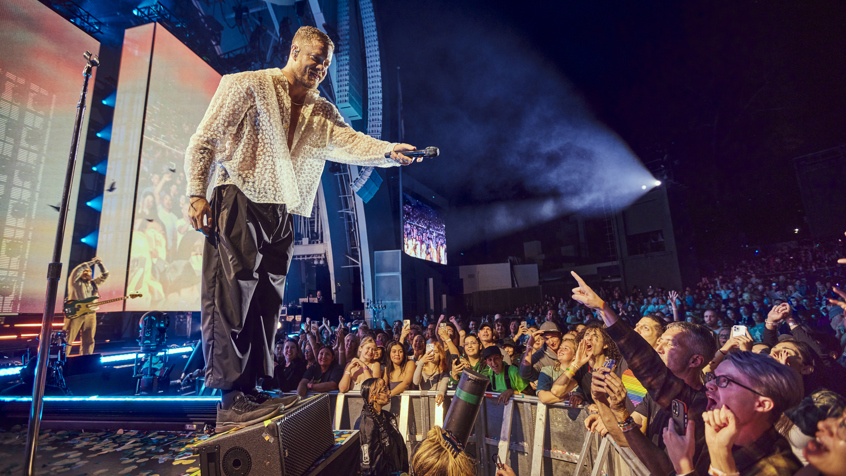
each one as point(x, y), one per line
point(245, 262)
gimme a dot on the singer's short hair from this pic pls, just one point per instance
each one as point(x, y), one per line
point(310, 34)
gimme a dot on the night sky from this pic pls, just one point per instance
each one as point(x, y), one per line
point(717, 97)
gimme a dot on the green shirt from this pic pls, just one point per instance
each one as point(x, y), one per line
point(498, 380)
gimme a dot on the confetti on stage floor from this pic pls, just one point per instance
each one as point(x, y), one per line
point(77, 453)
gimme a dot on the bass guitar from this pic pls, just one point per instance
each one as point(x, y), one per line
point(75, 309)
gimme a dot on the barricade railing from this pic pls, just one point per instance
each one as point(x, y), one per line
point(532, 437)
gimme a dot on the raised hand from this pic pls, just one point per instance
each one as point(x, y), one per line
point(840, 293)
point(581, 356)
point(778, 314)
point(673, 296)
point(443, 333)
point(585, 295)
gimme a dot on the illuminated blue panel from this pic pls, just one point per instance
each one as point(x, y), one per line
point(10, 371)
point(178, 350)
point(96, 398)
point(125, 357)
point(116, 358)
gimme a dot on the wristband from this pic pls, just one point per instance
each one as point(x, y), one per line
point(724, 353)
point(627, 425)
point(572, 374)
point(716, 472)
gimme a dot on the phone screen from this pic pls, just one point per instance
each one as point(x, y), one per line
point(738, 331)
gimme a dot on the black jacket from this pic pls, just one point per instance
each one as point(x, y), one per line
point(383, 450)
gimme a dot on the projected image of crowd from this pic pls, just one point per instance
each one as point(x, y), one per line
point(423, 231)
point(166, 253)
point(754, 354)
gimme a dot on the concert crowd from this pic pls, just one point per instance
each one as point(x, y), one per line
point(757, 353)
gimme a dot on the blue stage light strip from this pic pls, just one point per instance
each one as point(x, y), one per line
point(8, 371)
point(95, 398)
point(124, 357)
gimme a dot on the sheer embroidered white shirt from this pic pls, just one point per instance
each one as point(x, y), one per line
point(243, 137)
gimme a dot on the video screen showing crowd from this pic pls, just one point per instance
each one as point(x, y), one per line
point(424, 231)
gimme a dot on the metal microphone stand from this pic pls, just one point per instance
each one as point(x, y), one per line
point(54, 273)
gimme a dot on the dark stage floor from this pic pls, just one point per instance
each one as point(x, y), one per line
point(77, 453)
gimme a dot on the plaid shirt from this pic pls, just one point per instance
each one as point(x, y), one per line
point(769, 455)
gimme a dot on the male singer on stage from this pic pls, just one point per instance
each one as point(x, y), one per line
point(266, 134)
point(82, 285)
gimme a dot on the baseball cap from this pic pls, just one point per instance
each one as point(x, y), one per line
point(489, 351)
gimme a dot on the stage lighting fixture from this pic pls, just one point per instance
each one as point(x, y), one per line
point(91, 239)
point(106, 133)
point(101, 167)
point(796, 230)
point(96, 203)
point(657, 183)
point(110, 99)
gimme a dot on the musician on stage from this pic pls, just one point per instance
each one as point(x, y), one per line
point(266, 135)
point(82, 285)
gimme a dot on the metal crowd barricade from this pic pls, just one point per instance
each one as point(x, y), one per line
point(532, 437)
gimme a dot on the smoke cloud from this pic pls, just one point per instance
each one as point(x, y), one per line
point(519, 146)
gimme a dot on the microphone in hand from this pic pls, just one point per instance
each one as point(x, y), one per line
point(428, 152)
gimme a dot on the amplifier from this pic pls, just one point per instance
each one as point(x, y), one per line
point(285, 445)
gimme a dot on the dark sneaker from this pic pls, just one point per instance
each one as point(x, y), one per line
point(244, 412)
point(265, 398)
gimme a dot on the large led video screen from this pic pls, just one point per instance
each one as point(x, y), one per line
point(40, 82)
point(148, 210)
point(424, 232)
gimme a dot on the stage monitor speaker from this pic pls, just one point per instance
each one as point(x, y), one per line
point(286, 445)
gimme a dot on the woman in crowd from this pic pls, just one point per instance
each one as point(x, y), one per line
point(418, 347)
point(287, 374)
point(349, 348)
point(383, 450)
point(361, 367)
point(566, 352)
point(472, 359)
point(308, 353)
point(323, 376)
point(431, 372)
point(399, 371)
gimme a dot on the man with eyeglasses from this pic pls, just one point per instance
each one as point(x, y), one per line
point(745, 397)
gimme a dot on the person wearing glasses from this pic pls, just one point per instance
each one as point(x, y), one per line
point(746, 394)
point(383, 450)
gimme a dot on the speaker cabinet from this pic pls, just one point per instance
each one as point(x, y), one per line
point(286, 445)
